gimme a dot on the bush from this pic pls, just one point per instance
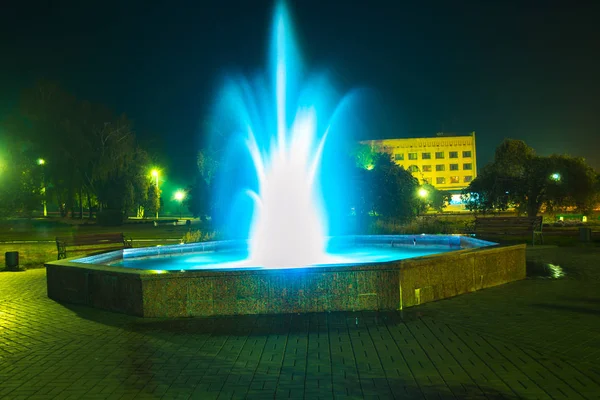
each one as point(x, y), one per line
point(110, 218)
point(198, 236)
point(427, 225)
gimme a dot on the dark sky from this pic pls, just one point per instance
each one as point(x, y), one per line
point(522, 69)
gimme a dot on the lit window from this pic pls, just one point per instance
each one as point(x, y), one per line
point(413, 168)
point(440, 167)
point(453, 167)
point(468, 166)
point(439, 155)
point(468, 178)
point(399, 156)
point(440, 180)
point(454, 179)
point(412, 156)
point(453, 154)
point(426, 168)
point(466, 154)
point(426, 156)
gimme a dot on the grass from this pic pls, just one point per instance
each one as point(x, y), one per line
point(30, 255)
point(19, 230)
point(429, 224)
point(34, 255)
point(44, 232)
point(551, 240)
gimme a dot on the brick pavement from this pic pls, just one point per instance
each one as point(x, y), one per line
point(534, 339)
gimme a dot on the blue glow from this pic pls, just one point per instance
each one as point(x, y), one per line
point(227, 260)
point(456, 199)
point(284, 123)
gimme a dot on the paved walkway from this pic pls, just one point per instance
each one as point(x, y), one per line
point(534, 339)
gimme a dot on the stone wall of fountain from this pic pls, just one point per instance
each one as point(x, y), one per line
point(378, 286)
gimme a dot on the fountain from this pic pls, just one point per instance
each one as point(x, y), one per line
point(288, 264)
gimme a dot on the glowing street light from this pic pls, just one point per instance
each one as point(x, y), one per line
point(555, 176)
point(179, 196)
point(41, 162)
point(155, 174)
point(422, 193)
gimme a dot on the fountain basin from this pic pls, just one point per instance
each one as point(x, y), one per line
point(457, 265)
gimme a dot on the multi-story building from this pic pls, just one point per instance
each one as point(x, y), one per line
point(445, 161)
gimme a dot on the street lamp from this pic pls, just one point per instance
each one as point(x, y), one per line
point(422, 193)
point(41, 162)
point(155, 173)
point(555, 176)
point(179, 196)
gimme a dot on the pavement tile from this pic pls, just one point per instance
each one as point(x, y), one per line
point(536, 338)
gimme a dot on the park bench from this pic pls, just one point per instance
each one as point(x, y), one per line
point(99, 241)
point(166, 222)
point(491, 226)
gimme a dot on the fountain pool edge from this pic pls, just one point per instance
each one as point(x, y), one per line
point(391, 285)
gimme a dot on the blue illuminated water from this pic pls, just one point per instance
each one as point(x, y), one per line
point(284, 120)
point(231, 260)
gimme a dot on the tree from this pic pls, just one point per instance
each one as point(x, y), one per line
point(21, 178)
point(208, 164)
point(573, 183)
point(46, 115)
point(518, 178)
point(20, 183)
point(435, 198)
point(152, 204)
point(200, 200)
point(487, 193)
point(364, 156)
point(139, 180)
point(197, 199)
point(93, 157)
point(389, 191)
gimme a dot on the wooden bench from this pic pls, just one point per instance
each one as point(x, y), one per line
point(166, 222)
point(100, 241)
point(490, 226)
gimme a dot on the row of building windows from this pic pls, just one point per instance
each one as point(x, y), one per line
point(439, 155)
point(440, 167)
point(453, 179)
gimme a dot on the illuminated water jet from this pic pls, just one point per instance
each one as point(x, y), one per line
point(288, 225)
point(288, 228)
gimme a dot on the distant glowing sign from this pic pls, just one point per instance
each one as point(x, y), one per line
point(456, 199)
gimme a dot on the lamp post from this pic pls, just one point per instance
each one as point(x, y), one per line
point(41, 162)
point(555, 176)
point(179, 196)
point(423, 193)
point(155, 173)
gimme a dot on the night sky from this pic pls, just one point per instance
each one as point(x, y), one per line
point(500, 68)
